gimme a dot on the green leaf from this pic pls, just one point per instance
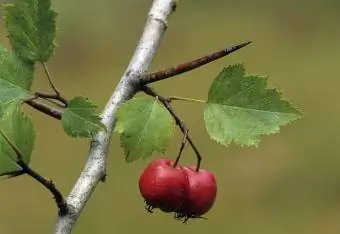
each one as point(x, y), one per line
point(240, 108)
point(32, 28)
point(18, 128)
point(145, 126)
point(16, 77)
point(80, 118)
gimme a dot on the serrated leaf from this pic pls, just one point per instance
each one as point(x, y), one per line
point(145, 126)
point(32, 28)
point(19, 130)
point(80, 118)
point(16, 77)
point(240, 108)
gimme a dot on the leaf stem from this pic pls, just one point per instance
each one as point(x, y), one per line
point(58, 197)
point(57, 95)
point(49, 77)
point(184, 141)
point(150, 91)
point(176, 98)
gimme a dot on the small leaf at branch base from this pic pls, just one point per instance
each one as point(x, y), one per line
point(240, 108)
point(80, 118)
point(32, 28)
point(16, 77)
point(145, 126)
point(19, 130)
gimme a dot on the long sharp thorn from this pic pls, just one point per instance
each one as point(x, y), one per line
point(191, 65)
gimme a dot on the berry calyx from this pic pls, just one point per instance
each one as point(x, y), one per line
point(164, 186)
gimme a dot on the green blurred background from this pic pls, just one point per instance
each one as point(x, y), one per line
point(289, 184)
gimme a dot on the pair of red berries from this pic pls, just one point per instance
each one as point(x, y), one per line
point(182, 190)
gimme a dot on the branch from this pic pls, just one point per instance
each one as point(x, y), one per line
point(26, 169)
point(150, 91)
point(55, 113)
point(188, 66)
point(96, 165)
point(47, 183)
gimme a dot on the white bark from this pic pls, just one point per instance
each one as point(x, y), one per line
point(94, 169)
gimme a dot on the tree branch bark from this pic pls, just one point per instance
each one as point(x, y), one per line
point(95, 167)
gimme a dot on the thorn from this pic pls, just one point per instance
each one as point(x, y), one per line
point(188, 66)
point(237, 47)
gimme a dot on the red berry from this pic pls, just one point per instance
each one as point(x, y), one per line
point(163, 186)
point(201, 195)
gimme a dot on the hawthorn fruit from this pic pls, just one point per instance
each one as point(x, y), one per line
point(201, 195)
point(164, 186)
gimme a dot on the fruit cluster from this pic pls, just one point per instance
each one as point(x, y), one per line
point(171, 187)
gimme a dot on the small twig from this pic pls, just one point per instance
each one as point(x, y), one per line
point(47, 183)
point(53, 112)
point(188, 66)
point(49, 77)
point(52, 97)
point(150, 91)
point(184, 141)
point(58, 197)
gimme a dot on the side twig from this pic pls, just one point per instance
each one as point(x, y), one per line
point(150, 91)
point(48, 110)
point(26, 169)
point(188, 66)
